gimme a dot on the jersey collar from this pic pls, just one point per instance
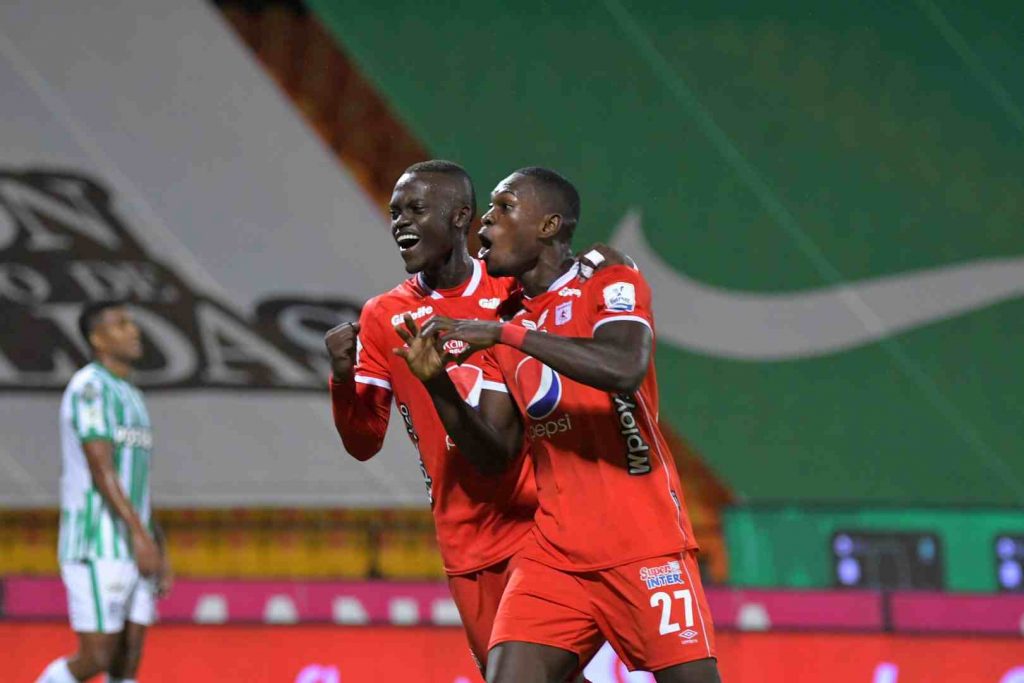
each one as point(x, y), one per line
point(470, 288)
point(566, 277)
point(562, 280)
point(107, 371)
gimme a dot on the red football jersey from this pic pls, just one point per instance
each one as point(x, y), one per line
point(480, 519)
point(607, 485)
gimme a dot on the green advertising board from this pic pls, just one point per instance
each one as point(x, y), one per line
point(828, 200)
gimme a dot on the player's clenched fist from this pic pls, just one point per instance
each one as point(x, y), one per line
point(341, 347)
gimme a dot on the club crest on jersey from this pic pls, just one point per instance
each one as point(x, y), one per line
point(563, 313)
point(90, 392)
point(542, 385)
point(620, 297)
point(663, 575)
point(469, 380)
point(398, 318)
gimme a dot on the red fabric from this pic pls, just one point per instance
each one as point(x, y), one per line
point(608, 487)
point(650, 627)
point(477, 596)
point(512, 335)
point(480, 520)
point(361, 413)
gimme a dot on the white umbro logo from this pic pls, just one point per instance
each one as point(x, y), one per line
point(688, 635)
point(490, 303)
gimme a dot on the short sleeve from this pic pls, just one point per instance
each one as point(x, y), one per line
point(371, 352)
point(618, 293)
point(91, 412)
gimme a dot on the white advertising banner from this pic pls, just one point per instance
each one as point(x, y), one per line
point(144, 154)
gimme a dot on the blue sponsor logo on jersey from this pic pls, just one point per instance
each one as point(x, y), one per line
point(542, 385)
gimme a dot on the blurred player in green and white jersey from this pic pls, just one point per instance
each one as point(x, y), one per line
point(111, 553)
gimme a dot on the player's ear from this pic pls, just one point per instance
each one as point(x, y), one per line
point(96, 340)
point(462, 218)
point(551, 225)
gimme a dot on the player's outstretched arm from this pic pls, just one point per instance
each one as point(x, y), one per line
point(490, 437)
point(614, 359)
point(100, 456)
point(361, 411)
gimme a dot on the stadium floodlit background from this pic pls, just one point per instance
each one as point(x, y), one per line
point(827, 198)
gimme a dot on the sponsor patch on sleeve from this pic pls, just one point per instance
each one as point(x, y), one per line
point(620, 297)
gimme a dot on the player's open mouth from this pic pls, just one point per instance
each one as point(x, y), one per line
point(485, 248)
point(407, 241)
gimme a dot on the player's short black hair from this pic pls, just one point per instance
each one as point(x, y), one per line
point(563, 195)
point(449, 168)
point(91, 314)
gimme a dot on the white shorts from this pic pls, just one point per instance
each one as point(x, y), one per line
point(103, 594)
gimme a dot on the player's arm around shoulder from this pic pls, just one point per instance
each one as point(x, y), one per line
point(616, 357)
point(599, 256)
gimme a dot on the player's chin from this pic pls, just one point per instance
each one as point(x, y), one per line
point(495, 266)
point(414, 263)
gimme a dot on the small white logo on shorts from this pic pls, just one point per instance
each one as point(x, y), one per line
point(689, 636)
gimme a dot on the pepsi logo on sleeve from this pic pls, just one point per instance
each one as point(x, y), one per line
point(541, 387)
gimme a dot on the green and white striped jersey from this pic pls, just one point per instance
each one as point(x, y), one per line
point(98, 405)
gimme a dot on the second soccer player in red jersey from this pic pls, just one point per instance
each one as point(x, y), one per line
point(483, 509)
point(613, 549)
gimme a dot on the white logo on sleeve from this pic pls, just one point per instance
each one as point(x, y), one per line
point(620, 297)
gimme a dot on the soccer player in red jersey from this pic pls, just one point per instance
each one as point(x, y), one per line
point(613, 551)
point(483, 509)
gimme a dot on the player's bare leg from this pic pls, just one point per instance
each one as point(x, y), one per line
point(125, 664)
point(517, 662)
point(95, 653)
point(700, 671)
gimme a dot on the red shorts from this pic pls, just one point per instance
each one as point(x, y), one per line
point(477, 596)
point(653, 612)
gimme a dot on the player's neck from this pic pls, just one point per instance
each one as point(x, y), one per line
point(116, 367)
point(551, 265)
point(455, 270)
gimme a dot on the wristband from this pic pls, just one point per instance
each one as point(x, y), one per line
point(512, 335)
